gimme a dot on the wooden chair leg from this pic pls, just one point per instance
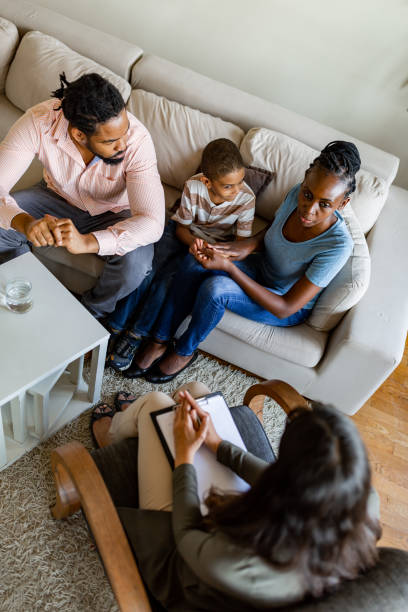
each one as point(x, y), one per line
point(67, 497)
point(284, 394)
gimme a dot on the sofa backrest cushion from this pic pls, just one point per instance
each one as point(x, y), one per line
point(35, 70)
point(179, 134)
point(8, 44)
point(116, 54)
point(348, 286)
point(289, 159)
point(183, 85)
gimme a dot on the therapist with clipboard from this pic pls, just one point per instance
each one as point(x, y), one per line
point(307, 522)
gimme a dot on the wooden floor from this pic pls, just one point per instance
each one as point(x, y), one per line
point(383, 424)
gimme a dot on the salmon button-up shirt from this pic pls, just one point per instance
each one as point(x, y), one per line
point(97, 187)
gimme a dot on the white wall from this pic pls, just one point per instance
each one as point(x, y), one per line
point(344, 63)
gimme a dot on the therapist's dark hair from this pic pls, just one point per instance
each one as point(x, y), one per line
point(342, 159)
point(88, 101)
point(308, 510)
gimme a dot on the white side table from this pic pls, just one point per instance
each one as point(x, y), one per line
point(41, 360)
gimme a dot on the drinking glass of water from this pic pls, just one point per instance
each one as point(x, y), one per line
point(18, 295)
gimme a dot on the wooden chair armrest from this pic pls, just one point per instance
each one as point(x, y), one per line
point(79, 483)
point(286, 396)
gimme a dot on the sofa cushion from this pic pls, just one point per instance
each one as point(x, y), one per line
point(179, 134)
point(8, 44)
point(348, 286)
point(171, 195)
point(34, 72)
point(289, 159)
point(8, 115)
point(300, 344)
point(78, 273)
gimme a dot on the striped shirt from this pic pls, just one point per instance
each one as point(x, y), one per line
point(215, 221)
point(97, 187)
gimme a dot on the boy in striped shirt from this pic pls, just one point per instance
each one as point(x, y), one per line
point(216, 205)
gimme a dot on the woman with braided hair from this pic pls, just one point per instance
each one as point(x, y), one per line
point(297, 256)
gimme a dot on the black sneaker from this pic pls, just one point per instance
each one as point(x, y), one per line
point(125, 348)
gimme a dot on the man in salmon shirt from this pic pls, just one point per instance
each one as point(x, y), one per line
point(101, 191)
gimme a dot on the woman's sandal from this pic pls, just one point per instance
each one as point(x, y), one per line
point(102, 410)
point(123, 399)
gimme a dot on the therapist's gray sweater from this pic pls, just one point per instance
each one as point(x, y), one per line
point(190, 569)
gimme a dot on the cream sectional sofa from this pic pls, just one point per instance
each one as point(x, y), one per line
point(356, 335)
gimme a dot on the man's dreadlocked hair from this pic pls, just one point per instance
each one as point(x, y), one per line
point(89, 100)
point(342, 159)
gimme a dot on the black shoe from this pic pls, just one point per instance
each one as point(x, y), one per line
point(134, 371)
point(155, 375)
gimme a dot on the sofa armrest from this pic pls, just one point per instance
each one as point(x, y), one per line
point(79, 483)
point(369, 342)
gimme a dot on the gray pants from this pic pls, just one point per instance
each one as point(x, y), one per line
point(121, 274)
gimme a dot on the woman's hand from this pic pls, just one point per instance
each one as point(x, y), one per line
point(189, 430)
point(212, 439)
point(210, 259)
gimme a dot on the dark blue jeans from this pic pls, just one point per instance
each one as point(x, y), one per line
point(138, 312)
point(206, 294)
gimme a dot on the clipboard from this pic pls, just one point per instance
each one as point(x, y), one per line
point(209, 471)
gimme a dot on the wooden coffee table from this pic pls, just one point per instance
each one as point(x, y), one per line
point(41, 360)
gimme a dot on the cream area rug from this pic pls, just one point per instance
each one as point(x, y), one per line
point(48, 565)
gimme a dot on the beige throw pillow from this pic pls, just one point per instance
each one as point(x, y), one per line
point(289, 159)
point(348, 286)
point(8, 43)
point(179, 134)
point(34, 72)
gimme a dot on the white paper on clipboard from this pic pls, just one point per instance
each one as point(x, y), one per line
point(209, 471)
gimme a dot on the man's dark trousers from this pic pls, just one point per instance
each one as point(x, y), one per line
point(121, 273)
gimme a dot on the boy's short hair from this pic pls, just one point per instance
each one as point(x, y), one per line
point(220, 157)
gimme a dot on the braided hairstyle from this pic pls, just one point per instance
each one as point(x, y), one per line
point(342, 159)
point(89, 100)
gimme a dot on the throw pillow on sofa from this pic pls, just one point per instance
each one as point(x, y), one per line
point(289, 158)
point(179, 134)
point(8, 43)
point(40, 59)
point(348, 286)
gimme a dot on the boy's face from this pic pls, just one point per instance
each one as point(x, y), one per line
point(225, 188)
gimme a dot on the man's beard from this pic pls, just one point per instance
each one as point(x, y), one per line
point(111, 161)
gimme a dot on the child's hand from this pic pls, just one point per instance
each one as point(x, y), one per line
point(199, 246)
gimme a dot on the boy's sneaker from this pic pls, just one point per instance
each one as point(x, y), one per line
point(113, 338)
point(121, 357)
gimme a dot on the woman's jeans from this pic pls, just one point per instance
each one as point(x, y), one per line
point(206, 294)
